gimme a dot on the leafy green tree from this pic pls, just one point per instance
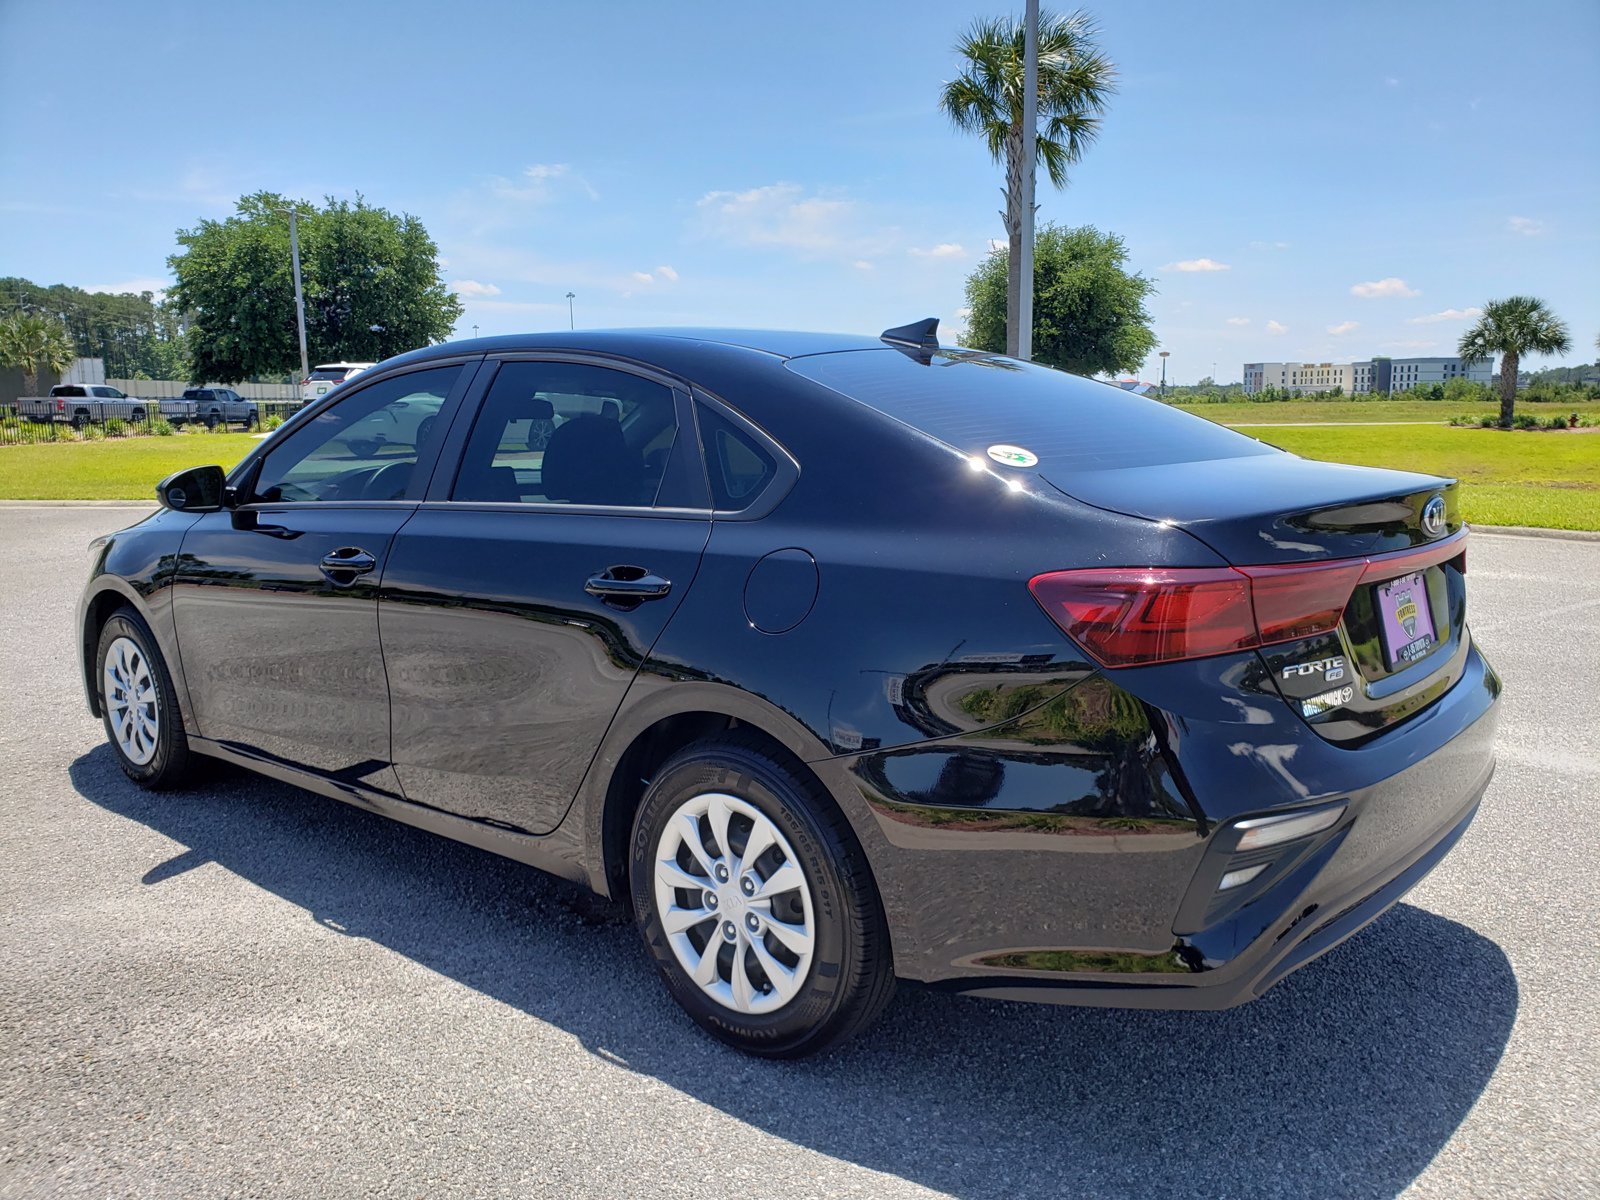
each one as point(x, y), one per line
point(1513, 327)
point(1089, 312)
point(35, 343)
point(137, 337)
point(371, 281)
point(1074, 82)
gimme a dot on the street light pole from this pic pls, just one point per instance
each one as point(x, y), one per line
point(1030, 121)
point(1164, 355)
point(299, 295)
point(571, 321)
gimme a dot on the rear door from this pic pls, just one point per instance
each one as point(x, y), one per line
point(521, 599)
point(276, 601)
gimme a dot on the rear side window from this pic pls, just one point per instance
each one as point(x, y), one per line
point(972, 401)
point(569, 433)
point(737, 466)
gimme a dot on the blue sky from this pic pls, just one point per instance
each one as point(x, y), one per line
point(1305, 181)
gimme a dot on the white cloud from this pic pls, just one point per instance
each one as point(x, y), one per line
point(471, 287)
point(1273, 327)
point(540, 183)
point(1448, 314)
point(1197, 264)
point(443, 263)
point(1391, 81)
point(668, 274)
point(862, 264)
point(142, 283)
point(1269, 245)
point(642, 277)
point(942, 250)
point(1343, 327)
point(786, 215)
point(1526, 226)
point(1380, 289)
point(1240, 321)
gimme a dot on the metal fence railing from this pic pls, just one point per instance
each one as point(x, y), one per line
point(17, 428)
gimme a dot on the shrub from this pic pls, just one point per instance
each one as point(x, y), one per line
point(1488, 421)
point(162, 427)
point(1556, 423)
point(91, 433)
point(269, 423)
point(116, 427)
point(1524, 421)
point(219, 427)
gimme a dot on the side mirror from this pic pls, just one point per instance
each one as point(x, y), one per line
point(197, 490)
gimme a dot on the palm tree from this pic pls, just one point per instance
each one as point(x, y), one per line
point(1075, 80)
point(35, 343)
point(1511, 328)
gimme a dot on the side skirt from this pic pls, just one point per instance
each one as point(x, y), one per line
point(554, 852)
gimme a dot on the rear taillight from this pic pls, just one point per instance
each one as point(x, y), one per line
point(1128, 616)
point(61, 405)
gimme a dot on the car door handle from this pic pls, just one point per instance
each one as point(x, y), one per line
point(343, 565)
point(627, 583)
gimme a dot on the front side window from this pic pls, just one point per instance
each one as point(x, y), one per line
point(568, 433)
point(363, 448)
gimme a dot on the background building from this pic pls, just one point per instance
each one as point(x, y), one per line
point(1373, 375)
point(1305, 378)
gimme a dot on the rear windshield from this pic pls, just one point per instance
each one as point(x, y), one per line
point(973, 401)
point(335, 374)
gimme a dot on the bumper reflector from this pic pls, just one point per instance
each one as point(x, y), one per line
point(1260, 832)
point(1244, 875)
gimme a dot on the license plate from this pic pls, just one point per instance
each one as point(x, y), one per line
point(1408, 631)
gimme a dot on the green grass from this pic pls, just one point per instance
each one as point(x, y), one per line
point(116, 469)
point(1343, 411)
point(1519, 478)
point(1550, 480)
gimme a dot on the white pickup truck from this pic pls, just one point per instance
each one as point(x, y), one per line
point(80, 404)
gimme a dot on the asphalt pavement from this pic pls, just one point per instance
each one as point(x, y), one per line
point(245, 989)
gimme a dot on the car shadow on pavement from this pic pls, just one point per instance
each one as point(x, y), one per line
point(1347, 1079)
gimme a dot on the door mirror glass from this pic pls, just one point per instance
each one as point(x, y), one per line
point(199, 489)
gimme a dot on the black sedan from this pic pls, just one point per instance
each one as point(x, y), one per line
point(842, 659)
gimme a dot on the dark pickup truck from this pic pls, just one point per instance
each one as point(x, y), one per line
point(211, 406)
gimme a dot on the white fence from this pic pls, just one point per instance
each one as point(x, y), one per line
point(170, 389)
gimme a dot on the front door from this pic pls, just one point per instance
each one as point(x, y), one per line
point(276, 601)
point(521, 599)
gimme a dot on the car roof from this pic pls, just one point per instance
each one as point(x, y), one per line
point(778, 343)
point(336, 365)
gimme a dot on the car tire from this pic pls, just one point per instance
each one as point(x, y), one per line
point(211, 420)
point(830, 973)
point(146, 736)
point(138, 415)
point(79, 420)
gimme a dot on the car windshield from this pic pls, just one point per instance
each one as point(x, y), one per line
point(980, 403)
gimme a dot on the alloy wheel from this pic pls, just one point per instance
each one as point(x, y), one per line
point(131, 697)
point(734, 903)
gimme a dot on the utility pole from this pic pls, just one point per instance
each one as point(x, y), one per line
point(299, 295)
point(1030, 133)
point(1164, 354)
point(571, 322)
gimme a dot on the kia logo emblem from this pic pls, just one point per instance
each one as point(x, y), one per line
point(1433, 517)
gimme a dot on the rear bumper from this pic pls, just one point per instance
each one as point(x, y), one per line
point(1316, 922)
point(1113, 898)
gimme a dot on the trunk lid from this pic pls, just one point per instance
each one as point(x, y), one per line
point(1396, 535)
